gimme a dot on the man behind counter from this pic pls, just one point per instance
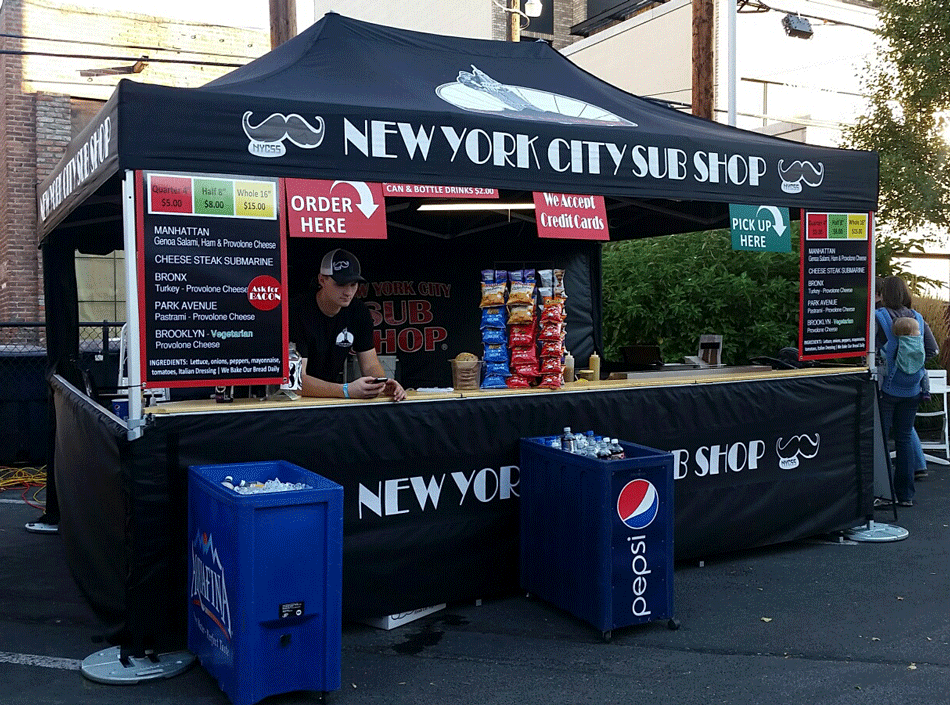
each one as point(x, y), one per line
point(326, 325)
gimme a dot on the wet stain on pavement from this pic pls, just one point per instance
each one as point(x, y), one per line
point(428, 635)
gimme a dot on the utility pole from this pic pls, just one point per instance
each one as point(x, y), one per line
point(703, 93)
point(283, 21)
point(514, 20)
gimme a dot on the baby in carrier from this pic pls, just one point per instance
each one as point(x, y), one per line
point(910, 353)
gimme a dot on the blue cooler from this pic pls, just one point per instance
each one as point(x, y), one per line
point(265, 580)
point(597, 535)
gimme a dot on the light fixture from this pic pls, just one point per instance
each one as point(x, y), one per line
point(477, 206)
point(797, 26)
point(137, 67)
point(532, 8)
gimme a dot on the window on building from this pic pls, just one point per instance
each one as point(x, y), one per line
point(101, 287)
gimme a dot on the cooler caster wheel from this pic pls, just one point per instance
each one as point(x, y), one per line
point(607, 636)
point(673, 624)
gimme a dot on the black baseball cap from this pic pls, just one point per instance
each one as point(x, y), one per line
point(342, 266)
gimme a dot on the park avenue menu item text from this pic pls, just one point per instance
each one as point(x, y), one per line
point(212, 281)
point(835, 285)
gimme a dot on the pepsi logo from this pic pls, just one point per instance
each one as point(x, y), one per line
point(638, 504)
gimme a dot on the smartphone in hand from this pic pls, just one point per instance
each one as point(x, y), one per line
point(380, 380)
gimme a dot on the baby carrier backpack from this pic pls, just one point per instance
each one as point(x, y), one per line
point(905, 361)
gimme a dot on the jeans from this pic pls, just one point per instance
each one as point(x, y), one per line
point(920, 462)
point(897, 415)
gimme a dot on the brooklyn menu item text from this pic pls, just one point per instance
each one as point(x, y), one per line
point(212, 281)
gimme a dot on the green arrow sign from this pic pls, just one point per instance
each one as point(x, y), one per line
point(760, 228)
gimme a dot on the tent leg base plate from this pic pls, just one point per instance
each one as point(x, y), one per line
point(107, 666)
point(873, 532)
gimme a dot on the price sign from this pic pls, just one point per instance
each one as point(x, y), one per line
point(222, 198)
point(214, 197)
point(212, 282)
point(254, 200)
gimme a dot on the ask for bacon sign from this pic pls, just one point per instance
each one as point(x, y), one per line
point(570, 216)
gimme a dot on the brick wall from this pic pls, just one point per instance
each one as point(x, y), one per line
point(18, 258)
point(45, 102)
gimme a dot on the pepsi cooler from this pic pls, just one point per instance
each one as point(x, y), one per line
point(597, 535)
point(265, 580)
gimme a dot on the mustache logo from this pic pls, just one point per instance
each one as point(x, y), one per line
point(267, 137)
point(799, 171)
point(802, 445)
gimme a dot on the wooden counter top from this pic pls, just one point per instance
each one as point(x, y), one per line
point(658, 378)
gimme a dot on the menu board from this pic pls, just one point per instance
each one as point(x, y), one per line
point(835, 285)
point(212, 280)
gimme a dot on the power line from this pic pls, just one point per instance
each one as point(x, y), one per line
point(117, 46)
point(133, 59)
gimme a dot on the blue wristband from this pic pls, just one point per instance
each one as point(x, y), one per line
point(346, 390)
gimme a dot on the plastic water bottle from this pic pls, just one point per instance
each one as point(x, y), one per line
point(568, 441)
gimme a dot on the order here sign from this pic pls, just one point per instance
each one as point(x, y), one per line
point(335, 209)
point(571, 216)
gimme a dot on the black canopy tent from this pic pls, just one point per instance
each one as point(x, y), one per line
point(355, 101)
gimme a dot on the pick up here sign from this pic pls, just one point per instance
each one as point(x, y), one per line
point(760, 228)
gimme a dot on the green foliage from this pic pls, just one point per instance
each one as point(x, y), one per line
point(908, 84)
point(670, 290)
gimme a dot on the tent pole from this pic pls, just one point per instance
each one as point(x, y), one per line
point(133, 357)
point(872, 298)
point(731, 52)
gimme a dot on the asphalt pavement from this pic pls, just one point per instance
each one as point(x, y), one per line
point(825, 620)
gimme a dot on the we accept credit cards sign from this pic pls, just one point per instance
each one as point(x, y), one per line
point(760, 228)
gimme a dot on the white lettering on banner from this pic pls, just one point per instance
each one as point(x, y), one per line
point(420, 140)
point(88, 158)
point(743, 456)
point(408, 495)
point(384, 139)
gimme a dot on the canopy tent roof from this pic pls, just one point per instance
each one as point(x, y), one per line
point(350, 100)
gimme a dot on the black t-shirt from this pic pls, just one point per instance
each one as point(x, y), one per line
point(326, 341)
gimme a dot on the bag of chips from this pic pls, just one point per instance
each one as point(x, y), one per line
point(518, 382)
point(494, 336)
point(526, 369)
point(521, 336)
point(552, 381)
point(551, 332)
point(524, 356)
point(494, 287)
point(552, 349)
point(493, 382)
point(495, 353)
point(494, 317)
point(522, 287)
point(521, 314)
point(499, 369)
point(559, 284)
point(551, 366)
point(553, 311)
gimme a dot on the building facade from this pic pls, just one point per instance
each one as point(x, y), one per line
point(60, 62)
